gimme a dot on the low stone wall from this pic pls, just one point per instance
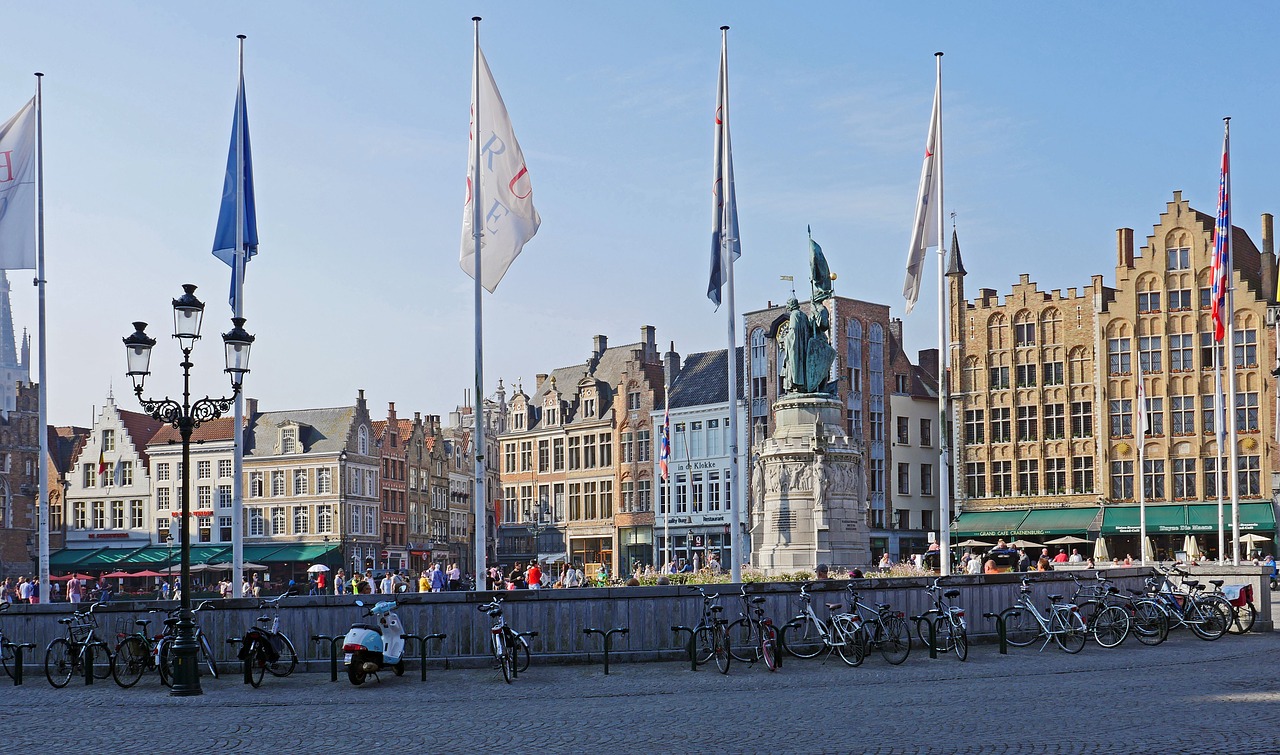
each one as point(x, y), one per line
point(559, 616)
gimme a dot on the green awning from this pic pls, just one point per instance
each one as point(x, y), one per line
point(1254, 517)
point(257, 554)
point(988, 523)
point(156, 555)
point(299, 554)
point(69, 557)
point(1058, 522)
point(1162, 519)
point(106, 557)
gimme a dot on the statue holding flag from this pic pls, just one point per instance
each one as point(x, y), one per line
point(807, 351)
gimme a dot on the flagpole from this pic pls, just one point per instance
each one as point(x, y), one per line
point(726, 258)
point(481, 562)
point(665, 435)
point(1231, 342)
point(1220, 435)
point(944, 440)
point(1141, 435)
point(43, 393)
point(237, 426)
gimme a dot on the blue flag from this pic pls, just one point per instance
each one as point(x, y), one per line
point(724, 225)
point(224, 238)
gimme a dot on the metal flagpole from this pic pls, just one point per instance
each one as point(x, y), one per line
point(43, 393)
point(726, 259)
point(1220, 435)
point(666, 479)
point(944, 440)
point(1141, 435)
point(1232, 428)
point(237, 426)
point(481, 561)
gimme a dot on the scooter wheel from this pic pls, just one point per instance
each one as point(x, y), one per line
point(398, 668)
point(355, 671)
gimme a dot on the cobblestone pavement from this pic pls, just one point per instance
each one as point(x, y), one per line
point(1184, 696)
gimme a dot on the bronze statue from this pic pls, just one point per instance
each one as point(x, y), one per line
point(807, 349)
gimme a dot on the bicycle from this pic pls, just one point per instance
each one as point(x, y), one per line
point(6, 653)
point(806, 635)
point(1024, 624)
point(139, 653)
point(510, 648)
point(66, 656)
point(165, 659)
point(752, 636)
point(945, 622)
point(711, 636)
point(886, 629)
point(1207, 616)
point(286, 657)
point(1243, 612)
point(1147, 620)
point(1108, 624)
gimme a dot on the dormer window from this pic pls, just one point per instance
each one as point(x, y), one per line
point(362, 441)
point(108, 441)
point(551, 415)
point(518, 420)
point(589, 407)
point(289, 440)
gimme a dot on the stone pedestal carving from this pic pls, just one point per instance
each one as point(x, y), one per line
point(809, 493)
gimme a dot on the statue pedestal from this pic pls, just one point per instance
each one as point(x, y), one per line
point(809, 492)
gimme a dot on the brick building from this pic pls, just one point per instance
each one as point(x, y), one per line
point(392, 436)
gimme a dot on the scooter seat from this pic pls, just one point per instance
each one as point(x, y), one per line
point(370, 627)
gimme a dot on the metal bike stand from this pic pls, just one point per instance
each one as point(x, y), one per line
point(1001, 631)
point(607, 634)
point(88, 659)
point(18, 647)
point(333, 652)
point(422, 650)
point(693, 658)
point(933, 636)
point(247, 665)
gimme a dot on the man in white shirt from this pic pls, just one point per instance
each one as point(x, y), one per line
point(1075, 556)
point(388, 584)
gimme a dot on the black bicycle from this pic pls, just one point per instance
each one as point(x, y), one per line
point(67, 656)
point(710, 636)
point(752, 636)
point(947, 622)
point(510, 648)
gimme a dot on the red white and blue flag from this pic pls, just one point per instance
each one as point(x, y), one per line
point(666, 442)
point(1221, 266)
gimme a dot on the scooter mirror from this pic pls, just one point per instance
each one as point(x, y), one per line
point(360, 603)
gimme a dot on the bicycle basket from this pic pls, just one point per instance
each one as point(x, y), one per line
point(81, 630)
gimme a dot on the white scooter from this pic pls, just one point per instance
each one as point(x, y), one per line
point(371, 647)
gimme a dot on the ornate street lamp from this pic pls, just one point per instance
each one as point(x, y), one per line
point(188, 312)
point(539, 525)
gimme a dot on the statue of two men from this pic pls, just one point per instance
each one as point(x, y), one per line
point(807, 351)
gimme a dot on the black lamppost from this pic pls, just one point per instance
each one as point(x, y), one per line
point(537, 526)
point(188, 311)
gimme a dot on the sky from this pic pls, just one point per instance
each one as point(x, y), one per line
point(1061, 122)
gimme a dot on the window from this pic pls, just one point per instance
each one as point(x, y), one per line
point(1148, 301)
point(277, 520)
point(1153, 479)
point(589, 510)
point(1182, 413)
point(162, 472)
point(117, 515)
point(1082, 474)
point(299, 482)
point(875, 476)
point(1079, 365)
point(1184, 479)
point(904, 430)
point(1178, 259)
point(975, 479)
point(1209, 349)
point(224, 469)
point(575, 453)
point(1214, 479)
point(204, 470)
point(1052, 373)
point(1002, 478)
point(1024, 375)
point(204, 529)
point(1180, 300)
point(589, 408)
point(544, 455)
point(643, 446)
point(999, 378)
point(1122, 480)
point(526, 455)
point(1155, 417)
point(1149, 354)
point(1055, 421)
point(1119, 357)
point(224, 529)
point(1000, 427)
point(1180, 349)
point(900, 384)
point(289, 440)
point(760, 372)
point(277, 483)
point(324, 481)
point(109, 476)
point(551, 415)
point(1247, 412)
point(557, 454)
point(1029, 476)
point(715, 437)
point(300, 520)
point(509, 458)
point(363, 440)
point(904, 479)
point(926, 479)
point(1249, 477)
point(606, 499)
point(78, 515)
point(1122, 418)
point(606, 449)
point(1206, 298)
point(926, 433)
point(224, 496)
point(633, 401)
point(682, 494)
point(162, 499)
point(696, 492)
point(517, 419)
point(257, 526)
point(204, 497)
point(973, 426)
point(1055, 476)
point(926, 520)
point(108, 441)
point(512, 505)
point(1028, 426)
point(1246, 348)
point(628, 493)
point(644, 495)
point(1024, 334)
point(256, 485)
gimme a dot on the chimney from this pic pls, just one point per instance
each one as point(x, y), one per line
point(649, 337)
point(541, 378)
point(1268, 234)
point(250, 408)
point(599, 344)
point(417, 416)
point(671, 365)
point(1124, 247)
point(895, 328)
point(927, 359)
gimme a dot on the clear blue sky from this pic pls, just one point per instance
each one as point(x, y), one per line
point(1062, 123)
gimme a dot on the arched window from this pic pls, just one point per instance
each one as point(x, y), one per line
point(854, 356)
point(363, 442)
point(996, 329)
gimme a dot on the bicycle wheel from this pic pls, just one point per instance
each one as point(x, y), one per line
point(6, 658)
point(801, 638)
point(743, 642)
point(102, 670)
point(894, 639)
point(769, 647)
point(1069, 631)
point(1210, 617)
point(922, 628)
point(956, 637)
point(257, 664)
point(1020, 627)
point(723, 654)
point(60, 662)
point(521, 651)
point(502, 657)
point(288, 660)
point(1149, 622)
point(131, 661)
point(1245, 617)
point(705, 644)
point(164, 659)
point(207, 652)
point(850, 640)
point(1110, 626)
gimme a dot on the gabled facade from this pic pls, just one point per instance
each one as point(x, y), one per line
point(19, 480)
point(212, 455)
point(392, 437)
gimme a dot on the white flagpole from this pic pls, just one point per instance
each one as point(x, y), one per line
point(726, 260)
point(1141, 435)
point(666, 480)
point(43, 396)
point(481, 562)
point(944, 440)
point(1220, 407)
point(237, 427)
point(1229, 353)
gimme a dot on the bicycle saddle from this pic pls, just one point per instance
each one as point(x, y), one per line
point(1217, 582)
point(761, 599)
point(833, 606)
point(264, 619)
point(1135, 592)
point(951, 594)
point(64, 621)
point(882, 606)
point(171, 622)
point(142, 622)
point(1113, 590)
point(717, 609)
point(1055, 598)
point(1192, 583)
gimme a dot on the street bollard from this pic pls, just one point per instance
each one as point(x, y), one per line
point(1001, 631)
point(18, 647)
point(607, 634)
point(693, 657)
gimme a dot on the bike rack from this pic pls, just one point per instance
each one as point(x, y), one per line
point(607, 634)
point(88, 659)
point(693, 657)
point(18, 647)
point(933, 635)
point(333, 652)
point(247, 663)
point(422, 650)
point(1000, 631)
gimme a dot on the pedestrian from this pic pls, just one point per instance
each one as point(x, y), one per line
point(975, 565)
point(533, 577)
point(164, 589)
point(320, 581)
point(822, 572)
point(24, 590)
point(424, 581)
point(339, 582)
point(437, 578)
point(1024, 561)
point(311, 585)
point(1075, 556)
point(885, 563)
point(399, 583)
point(75, 589)
point(388, 584)
point(455, 577)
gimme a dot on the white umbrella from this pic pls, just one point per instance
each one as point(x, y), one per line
point(973, 544)
point(1100, 553)
point(317, 568)
point(1192, 548)
point(1067, 540)
point(1026, 544)
point(1151, 549)
point(1252, 538)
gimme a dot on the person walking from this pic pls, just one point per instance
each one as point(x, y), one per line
point(339, 582)
point(534, 576)
point(75, 590)
point(388, 584)
point(437, 578)
point(455, 577)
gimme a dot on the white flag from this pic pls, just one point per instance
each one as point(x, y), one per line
point(924, 233)
point(1142, 401)
point(507, 216)
point(18, 190)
